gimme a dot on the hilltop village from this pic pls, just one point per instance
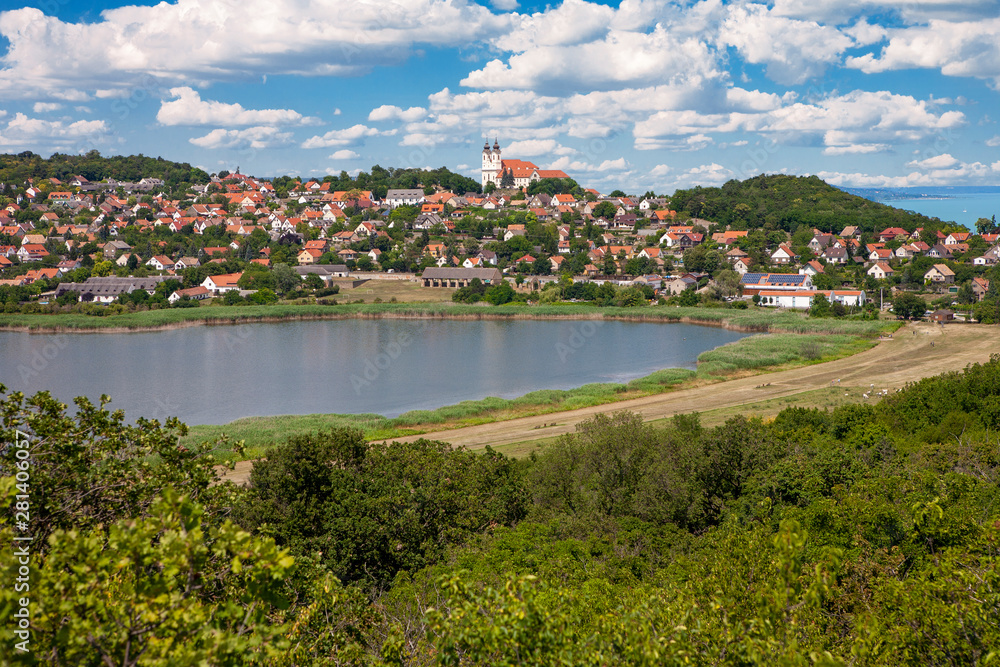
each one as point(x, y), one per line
point(527, 234)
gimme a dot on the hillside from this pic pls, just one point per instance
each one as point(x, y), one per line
point(786, 202)
point(380, 180)
point(16, 169)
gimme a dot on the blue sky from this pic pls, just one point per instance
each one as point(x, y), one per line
point(638, 94)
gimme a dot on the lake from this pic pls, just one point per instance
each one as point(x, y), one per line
point(964, 205)
point(215, 374)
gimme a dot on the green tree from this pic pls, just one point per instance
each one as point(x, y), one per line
point(95, 467)
point(285, 278)
point(820, 306)
point(605, 210)
point(102, 268)
point(164, 589)
point(909, 306)
point(499, 294)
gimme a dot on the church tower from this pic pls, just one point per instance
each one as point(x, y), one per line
point(491, 162)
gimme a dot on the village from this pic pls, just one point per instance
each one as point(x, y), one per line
point(241, 240)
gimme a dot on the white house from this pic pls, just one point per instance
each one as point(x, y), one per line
point(804, 298)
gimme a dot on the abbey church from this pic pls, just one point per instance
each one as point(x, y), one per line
point(524, 173)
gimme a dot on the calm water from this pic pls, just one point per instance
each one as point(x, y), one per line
point(964, 205)
point(213, 375)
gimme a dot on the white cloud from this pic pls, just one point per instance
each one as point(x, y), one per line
point(708, 174)
point(569, 22)
point(839, 122)
point(618, 59)
point(336, 112)
point(856, 149)
point(390, 112)
point(911, 11)
point(571, 166)
point(255, 138)
point(351, 136)
point(534, 147)
point(660, 170)
point(35, 133)
point(504, 5)
point(944, 161)
point(190, 109)
point(993, 141)
point(792, 50)
point(951, 172)
point(191, 41)
point(864, 33)
point(344, 154)
point(968, 48)
point(45, 107)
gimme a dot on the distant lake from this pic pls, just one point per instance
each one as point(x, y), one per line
point(215, 374)
point(964, 205)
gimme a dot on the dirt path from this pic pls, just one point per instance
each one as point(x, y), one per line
point(915, 351)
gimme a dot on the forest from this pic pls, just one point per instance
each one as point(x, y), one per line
point(17, 169)
point(868, 534)
point(779, 202)
point(380, 180)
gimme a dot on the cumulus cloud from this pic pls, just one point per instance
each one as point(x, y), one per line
point(967, 48)
point(34, 133)
point(188, 108)
point(255, 138)
point(707, 174)
point(950, 172)
point(792, 50)
point(45, 107)
point(390, 112)
point(190, 40)
point(534, 147)
point(569, 165)
point(943, 161)
point(856, 149)
point(993, 141)
point(841, 121)
point(351, 136)
point(619, 59)
point(344, 154)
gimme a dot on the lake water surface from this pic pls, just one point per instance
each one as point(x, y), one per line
point(215, 374)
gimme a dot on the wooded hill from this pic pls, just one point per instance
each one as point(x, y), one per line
point(786, 202)
point(17, 169)
point(864, 535)
point(380, 180)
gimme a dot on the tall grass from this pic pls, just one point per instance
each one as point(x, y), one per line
point(761, 320)
point(764, 351)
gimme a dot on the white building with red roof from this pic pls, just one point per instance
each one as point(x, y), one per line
point(523, 172)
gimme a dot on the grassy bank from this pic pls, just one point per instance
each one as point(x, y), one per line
point(751, 354)
point(753, 319)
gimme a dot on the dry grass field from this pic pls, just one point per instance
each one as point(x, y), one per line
point(404, 291)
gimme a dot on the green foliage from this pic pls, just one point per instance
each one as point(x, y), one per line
point(94, 468)
point(368, 511)
point(789, 202)
point(909, 306)
point(94, 167)
point(161, 590)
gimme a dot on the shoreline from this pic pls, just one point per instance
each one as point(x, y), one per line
point(723, 322)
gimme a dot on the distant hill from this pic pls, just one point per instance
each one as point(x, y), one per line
point(786, 202)
point(16, 169)
point(380, 180)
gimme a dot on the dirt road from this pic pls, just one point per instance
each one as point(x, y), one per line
point(914, 352)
